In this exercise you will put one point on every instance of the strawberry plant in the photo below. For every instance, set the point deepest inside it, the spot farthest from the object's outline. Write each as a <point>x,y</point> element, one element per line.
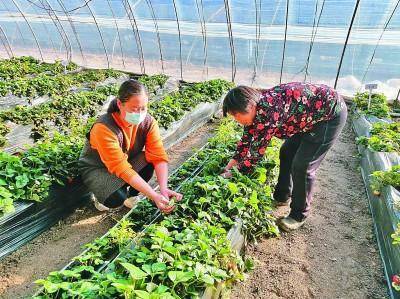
<point>167,263</point>
<point>391,177</point>
<point>4,130</point>
<point>379,106</point>
<point>153,83</point>
<point>188,249</point>
<point>44,84</point>
<point>385,137</point>
<point>19,182</point>
<point>173,106</point>
<point>19,67</point>
<point>396,241</point>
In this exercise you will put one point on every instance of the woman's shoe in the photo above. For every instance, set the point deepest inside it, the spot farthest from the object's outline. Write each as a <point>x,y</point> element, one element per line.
<point>289,224</point>
<point>99,206</point>
<point>131,202</point>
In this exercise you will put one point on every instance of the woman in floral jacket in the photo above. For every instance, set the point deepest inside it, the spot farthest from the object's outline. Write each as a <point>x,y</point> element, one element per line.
<point>309,117</point>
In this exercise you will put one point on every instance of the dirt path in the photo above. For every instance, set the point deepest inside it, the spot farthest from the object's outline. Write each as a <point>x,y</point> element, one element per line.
<point>54,249</point>
<point>335,254</point>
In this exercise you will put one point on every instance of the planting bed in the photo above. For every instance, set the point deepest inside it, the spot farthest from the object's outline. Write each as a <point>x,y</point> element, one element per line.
<point>60,125</point>
<point>378,138</point>
<point>182,269</point>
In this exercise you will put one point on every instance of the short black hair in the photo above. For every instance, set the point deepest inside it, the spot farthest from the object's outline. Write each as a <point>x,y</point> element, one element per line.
<point>238,99</point>
<point>127,89</point>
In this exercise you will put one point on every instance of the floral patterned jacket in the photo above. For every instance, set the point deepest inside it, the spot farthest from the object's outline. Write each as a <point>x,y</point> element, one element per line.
<point>283,111</point>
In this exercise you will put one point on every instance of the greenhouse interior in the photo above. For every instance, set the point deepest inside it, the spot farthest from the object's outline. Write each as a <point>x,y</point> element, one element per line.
<point>247,149</point>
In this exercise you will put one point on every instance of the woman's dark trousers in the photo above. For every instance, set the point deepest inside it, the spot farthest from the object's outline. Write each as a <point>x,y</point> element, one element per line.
<point>300,156</point>
<point>118,197</point>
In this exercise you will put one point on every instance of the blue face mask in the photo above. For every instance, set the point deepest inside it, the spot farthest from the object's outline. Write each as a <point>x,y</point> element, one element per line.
<point>135,118</point>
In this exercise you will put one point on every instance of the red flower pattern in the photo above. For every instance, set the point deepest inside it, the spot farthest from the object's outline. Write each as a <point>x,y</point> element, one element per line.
<point>284,111</point>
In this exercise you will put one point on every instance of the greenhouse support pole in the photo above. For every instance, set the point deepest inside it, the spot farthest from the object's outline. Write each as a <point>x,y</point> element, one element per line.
<point>179,36</point>
<point>118,33</point>
<point>379,40</point>
<point>136,34</point>
<point>100,34</point>
<point>30,28</point>
<point>60,29</point>
<point>347,40</point>
<point>203,33</point>
<point>6,43</point>
<point>71,23</point>
<point>154,17</point>
<point>231,43</point>
<point>284,42</point>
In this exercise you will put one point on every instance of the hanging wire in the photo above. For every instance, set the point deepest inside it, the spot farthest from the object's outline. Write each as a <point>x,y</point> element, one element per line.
<point>16,23</point>
<point>153,15</point>
<point>313,35</point>
<point>100,34</point>
<point>135,29</point>
<point>86,4</point>
<point>267,43</point>
<point>231,43</point>
<point>31,29</point>
<point>179,36</point>
<point>73,29</point>
<point>6,43</point>
<point>379,40</point>
<point>45,28</point>
<point>63,35</point>
<point>258,35</point>
<point>347,40</point>
<point>50,35</point>
<point>284,42</point>
<point>118,33</point>
<point>200,12</point>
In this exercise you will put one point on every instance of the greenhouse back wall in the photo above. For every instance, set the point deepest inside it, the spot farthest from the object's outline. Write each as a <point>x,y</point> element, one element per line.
<point>251,42</point>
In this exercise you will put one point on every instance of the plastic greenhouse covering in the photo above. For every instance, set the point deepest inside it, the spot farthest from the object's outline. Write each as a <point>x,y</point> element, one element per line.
<point>254,42</point>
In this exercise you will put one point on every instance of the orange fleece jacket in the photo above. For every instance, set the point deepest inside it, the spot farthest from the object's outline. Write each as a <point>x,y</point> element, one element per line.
<point>106,143</point>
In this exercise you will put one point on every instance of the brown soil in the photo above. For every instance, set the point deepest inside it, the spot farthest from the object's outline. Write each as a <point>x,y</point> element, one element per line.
<point>53,249</point>
<point>335,254</point>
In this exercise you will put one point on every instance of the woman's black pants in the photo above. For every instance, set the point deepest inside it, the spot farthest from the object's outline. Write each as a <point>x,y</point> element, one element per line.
<point>300,156</point>
<point>118,197</point>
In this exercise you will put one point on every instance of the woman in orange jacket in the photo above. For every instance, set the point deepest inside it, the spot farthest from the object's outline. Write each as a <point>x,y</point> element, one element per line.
<point>122,151</point>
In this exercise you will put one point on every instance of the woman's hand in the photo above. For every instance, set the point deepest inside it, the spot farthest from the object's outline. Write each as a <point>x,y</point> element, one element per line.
<point>227,170</point>
<point>231,163</point>
<point>226,174</point>
<point>168,193</point>
<point>163,203</point>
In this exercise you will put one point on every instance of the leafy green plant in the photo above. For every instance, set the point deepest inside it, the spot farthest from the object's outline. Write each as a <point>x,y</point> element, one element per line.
<point>395,106</point>
<point>19,67</point>
<point>379,106</point>
<point>391,177</point>
<point>385,137</point>
<point>44,84</point>
<point>189,248</point>
<point>153,83</point>
<point>4,130</point>
<point>173,106</point>
<point>396,241</point>
<point>19,182</point>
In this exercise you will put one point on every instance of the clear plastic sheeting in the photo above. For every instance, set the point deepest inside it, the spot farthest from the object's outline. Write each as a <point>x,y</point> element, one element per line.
<point>344,43</point>
<point>385,209</point>
<point>30,219</point>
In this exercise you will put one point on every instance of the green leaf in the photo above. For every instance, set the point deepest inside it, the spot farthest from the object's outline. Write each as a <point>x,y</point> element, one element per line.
<point>233,188</point>
<point>180,276</point>
<point>158,267</point>
<point>134,272</point>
